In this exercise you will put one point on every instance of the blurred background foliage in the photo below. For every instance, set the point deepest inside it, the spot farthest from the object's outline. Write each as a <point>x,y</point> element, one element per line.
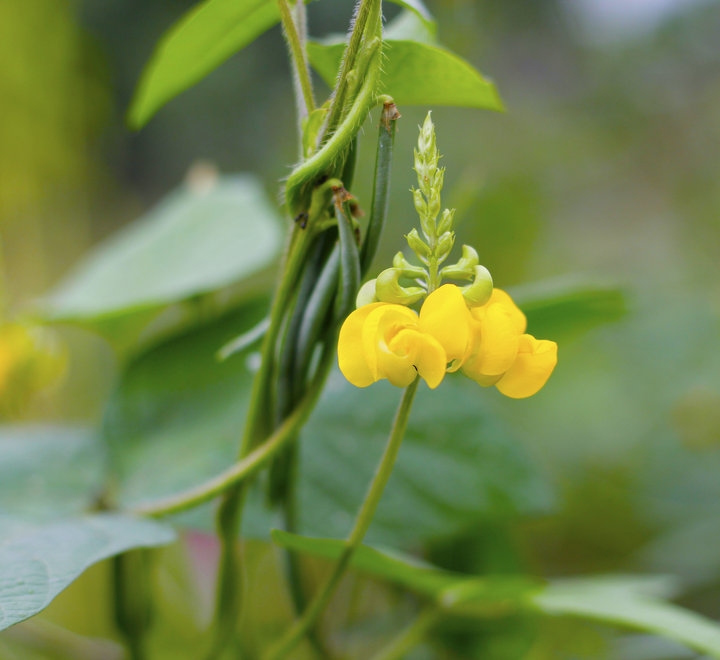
<point>603,169</point>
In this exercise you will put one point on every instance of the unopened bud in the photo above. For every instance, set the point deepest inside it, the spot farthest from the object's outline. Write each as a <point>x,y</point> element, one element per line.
<point>418,246</point>
<point>388,289</point>
<point>445,244</point>
<point>366,295</point>
<point>479,292</point>
<point>408,269</point>
<point>446,221</point>
<point>464,269</point>
<point>420,204</point>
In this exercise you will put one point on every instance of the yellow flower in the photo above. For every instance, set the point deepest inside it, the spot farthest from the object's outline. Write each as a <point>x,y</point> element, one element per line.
<point>384,340</point>
<point>489,344</point>
<point>501,354</point>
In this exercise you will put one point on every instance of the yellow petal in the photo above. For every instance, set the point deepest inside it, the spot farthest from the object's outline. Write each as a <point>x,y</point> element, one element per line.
<point>424,353</point>
<point>445,316</point>
<point>495,344</point>
<point>383,322</point>
<point>500,297</point>
<point>351,356</point>
<point>535,362</point>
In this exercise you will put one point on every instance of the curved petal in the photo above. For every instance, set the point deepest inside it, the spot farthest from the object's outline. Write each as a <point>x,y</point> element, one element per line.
<point>535,362</point>
<point>446,317</point>
<point>351,356</point>
<point>424,353</point>
<point>382,323</point>
<point>502,298</point>
<point>496,343</point>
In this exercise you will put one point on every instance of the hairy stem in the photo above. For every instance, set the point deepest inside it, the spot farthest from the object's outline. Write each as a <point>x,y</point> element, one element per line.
<point>305,100</point>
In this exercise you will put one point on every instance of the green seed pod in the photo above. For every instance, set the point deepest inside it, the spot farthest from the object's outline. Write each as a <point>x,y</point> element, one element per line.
<point>388,289</point>
<point>479,292</point>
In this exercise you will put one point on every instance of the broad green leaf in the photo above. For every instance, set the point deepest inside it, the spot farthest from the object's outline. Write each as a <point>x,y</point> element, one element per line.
<point>198,43</point>
<point>46,471</point>
<point>38,561</point>
<point>571,304</point>
<point>417,74</point>
<point>620,603</point>
<point>177,415</point>
<point>406,26</point>
<point>419,9</point>
<point>198,240</point>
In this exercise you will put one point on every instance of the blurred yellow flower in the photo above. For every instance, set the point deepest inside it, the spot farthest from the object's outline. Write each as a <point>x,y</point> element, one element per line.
<point>386,340</point>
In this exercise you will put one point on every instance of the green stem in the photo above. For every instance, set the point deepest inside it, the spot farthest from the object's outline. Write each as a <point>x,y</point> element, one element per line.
<point>257,426</point>
<point>362,522</point>
<point>305,100</point>
<point>410,637</point>
<point>366,8</point>
<point>321,160</point>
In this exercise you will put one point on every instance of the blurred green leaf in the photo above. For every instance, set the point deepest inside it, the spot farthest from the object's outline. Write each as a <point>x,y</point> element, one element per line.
<point>419,9</point>
<point>198,240</point>
<point>38,561</point>
<point>620,602</point>
<point>48,471</point>
<point>177,414</point>
<point>556,307</point>
<point>417,74</point>
<point>198,43</point>
<point>631,601</point>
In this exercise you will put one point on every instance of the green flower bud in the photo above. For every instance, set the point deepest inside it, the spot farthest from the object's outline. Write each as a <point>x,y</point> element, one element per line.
<point>418,246</point>
<point>420,203</point>
<point>366,294</point>
<point>446,221</point>
<point>445,244</point>
<point>408,269</point>
<point>464,269</point>
<point>388,289</point>
<point>479,292</point>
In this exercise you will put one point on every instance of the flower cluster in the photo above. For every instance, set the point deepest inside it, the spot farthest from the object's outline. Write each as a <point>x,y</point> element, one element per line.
<point>487,343</point>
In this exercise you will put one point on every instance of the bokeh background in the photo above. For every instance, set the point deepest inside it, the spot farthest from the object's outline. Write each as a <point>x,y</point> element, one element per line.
<point>604,168</point>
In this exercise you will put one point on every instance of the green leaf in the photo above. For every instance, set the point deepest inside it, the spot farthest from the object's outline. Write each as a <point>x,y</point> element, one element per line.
<point>417,74</point>
<point>198,240</point>
<point>198,43</point>
<point>38,562</point>
<point>571,304</point>
<point>620,602</point>
<point>419,9</point>
<point>48,471</point>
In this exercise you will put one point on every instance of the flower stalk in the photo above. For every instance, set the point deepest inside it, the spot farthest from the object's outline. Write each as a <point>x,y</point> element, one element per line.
<point>362,522</point>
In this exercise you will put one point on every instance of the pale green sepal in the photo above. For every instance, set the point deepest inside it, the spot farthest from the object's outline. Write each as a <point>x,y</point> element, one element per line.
<point>479,292</point>
<point>418,246</point>
<point>399,261</point>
